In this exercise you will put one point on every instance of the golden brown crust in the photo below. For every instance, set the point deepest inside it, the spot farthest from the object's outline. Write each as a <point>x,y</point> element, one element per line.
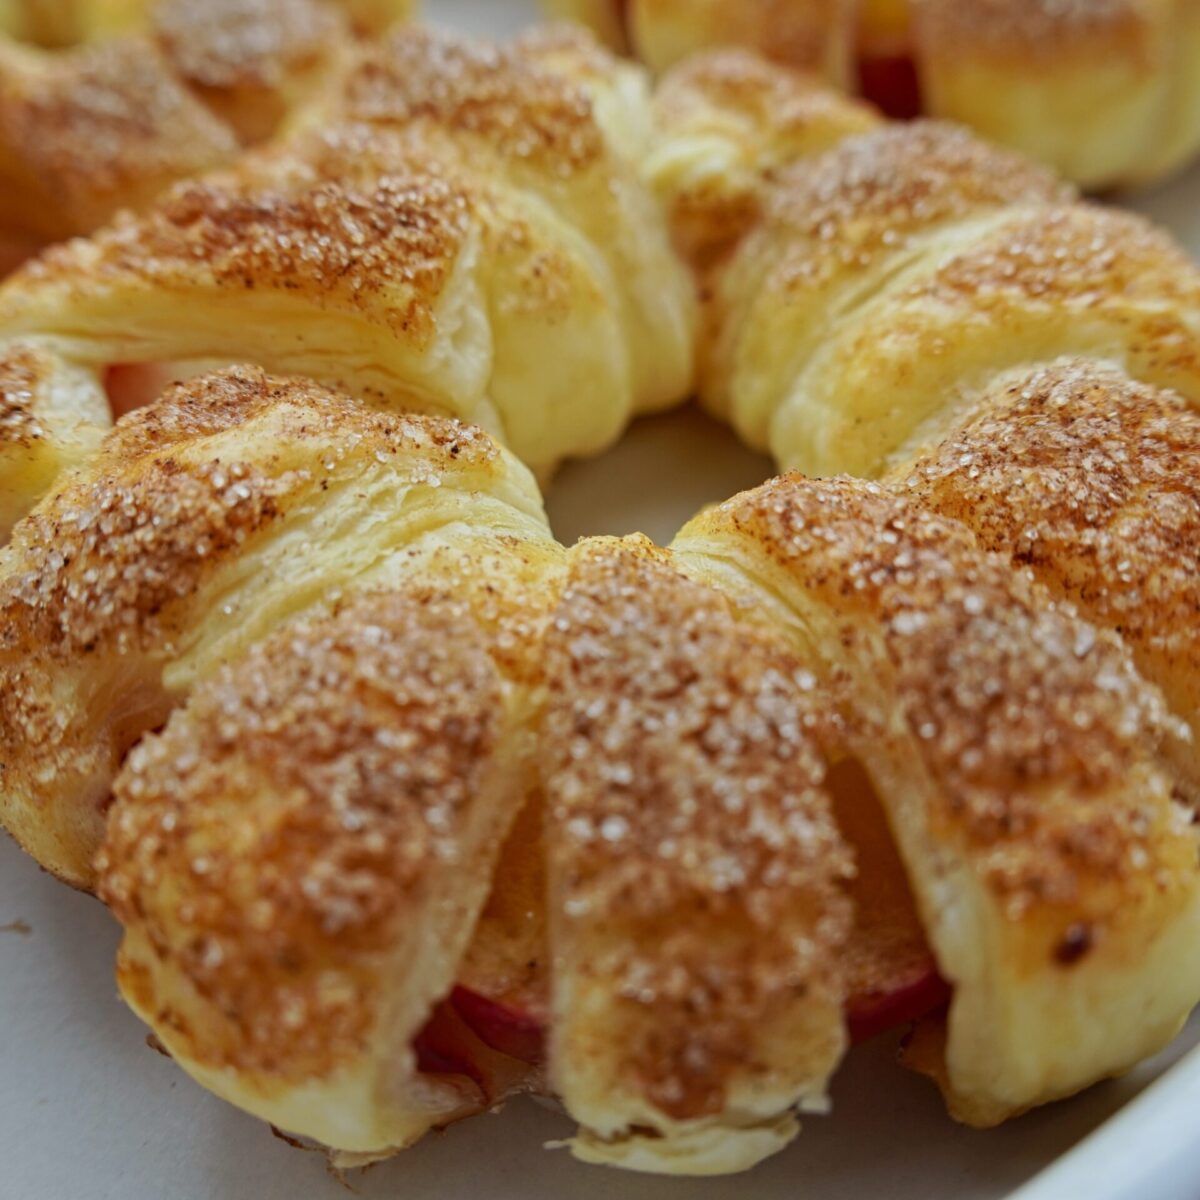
<point>111,555</point>
<point>1014,749</point>
<point>109,126</point>
<point>839,236</point>
<point>1004,692</point>
<point>140,562</point>
<point>1088,478</point>
<point>1039,283</point>
<point>254,62</point>
<point>271,840</point>
<point>873,194</point>
<point>784,103</point>
<point>497,93</point>
<point>340,245</point>
<point>547,134</point>
<point>727,121</point>
<point>1041,29</point>
<point>694,863</point>
<point>1080,255</point>
<point>681,773</point>
<point>110,563</point>
<point>222,400</point>
<point>244,43</point>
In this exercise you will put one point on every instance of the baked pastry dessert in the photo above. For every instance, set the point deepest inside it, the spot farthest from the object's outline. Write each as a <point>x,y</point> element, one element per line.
<point>414,244</point>
<point>357,706</point>
<point>404,807</point>
<point>878,295</point>
<point>1104,91</point>
<point>1120,79</point>
<point>143,498</point>
<point>103,105</point>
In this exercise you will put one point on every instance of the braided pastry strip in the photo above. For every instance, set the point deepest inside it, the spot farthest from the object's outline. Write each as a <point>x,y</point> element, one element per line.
<point>452,213</point>
<point>148,92</point>
<point>373,655</point>
<point>882,297</point>
<point>1107,92</point>
<point>109,580</point>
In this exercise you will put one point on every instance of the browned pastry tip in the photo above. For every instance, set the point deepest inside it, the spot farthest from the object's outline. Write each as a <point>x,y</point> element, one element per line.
<point>695,870</point>
<point>136,566</point>
<point>318,823</point>
<point>1015,749</point>
<point>1087,477</point>
<point>149,94</point>
<point>252,61</point>
<point>501,95</point>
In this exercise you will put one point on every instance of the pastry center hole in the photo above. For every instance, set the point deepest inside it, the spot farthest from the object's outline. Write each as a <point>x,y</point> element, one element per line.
<point>663,471</point>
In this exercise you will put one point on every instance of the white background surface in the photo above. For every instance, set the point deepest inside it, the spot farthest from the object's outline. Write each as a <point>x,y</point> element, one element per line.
<point>88,1112</point>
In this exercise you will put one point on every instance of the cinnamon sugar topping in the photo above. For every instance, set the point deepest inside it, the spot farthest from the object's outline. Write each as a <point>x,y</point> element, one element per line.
<point>1029,718</point>
<point>293,810</point>
<point>244,43</point>
<point>686,810</point>
<point>21,369</point>
<point>1089,478</point>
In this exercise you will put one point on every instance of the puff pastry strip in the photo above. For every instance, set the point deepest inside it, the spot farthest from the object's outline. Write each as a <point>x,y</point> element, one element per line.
<point>105,104</point>
<point>910,279</point>
<point>418,246</point>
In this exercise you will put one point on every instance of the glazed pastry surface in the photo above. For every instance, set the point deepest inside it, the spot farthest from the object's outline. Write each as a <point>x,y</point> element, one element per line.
<point>404,807</point>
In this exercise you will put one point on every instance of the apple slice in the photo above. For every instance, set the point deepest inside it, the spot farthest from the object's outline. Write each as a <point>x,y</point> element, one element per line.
<point>443,1049</point>
<point>503,990</point>
<point>891,974</point>
<point>509,1030</point>
<point>887,73</point>
<point>890,82</point>
<point>133,385</point>
<point>449,1046</point>
<point>492,1028</point>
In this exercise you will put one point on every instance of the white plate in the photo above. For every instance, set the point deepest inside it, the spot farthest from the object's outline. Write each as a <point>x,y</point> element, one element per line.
<point>88,1112</point>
